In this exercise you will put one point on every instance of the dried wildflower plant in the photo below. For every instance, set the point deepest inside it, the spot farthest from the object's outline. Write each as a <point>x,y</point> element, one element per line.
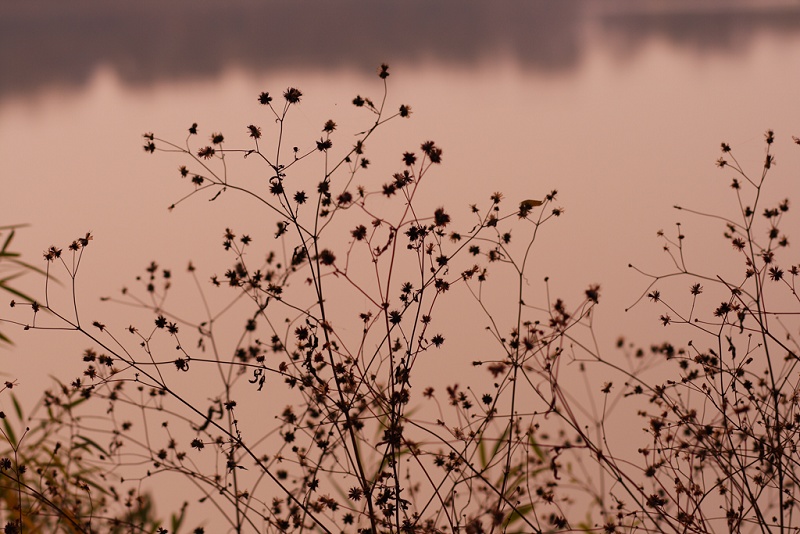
<point>304,401</point>
<point>307,418</point>
<point>723,423</point>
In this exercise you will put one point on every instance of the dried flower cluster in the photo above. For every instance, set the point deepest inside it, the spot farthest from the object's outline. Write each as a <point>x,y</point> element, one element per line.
<point>317,411</point>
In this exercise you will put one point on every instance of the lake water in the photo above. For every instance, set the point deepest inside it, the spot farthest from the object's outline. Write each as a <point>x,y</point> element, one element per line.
<point>621,106</point>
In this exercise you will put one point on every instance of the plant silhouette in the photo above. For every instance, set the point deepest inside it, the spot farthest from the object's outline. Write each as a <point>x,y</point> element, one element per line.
<point>294,393</point>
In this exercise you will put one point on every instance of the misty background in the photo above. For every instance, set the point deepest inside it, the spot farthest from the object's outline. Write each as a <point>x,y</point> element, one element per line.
<point>46,43</point>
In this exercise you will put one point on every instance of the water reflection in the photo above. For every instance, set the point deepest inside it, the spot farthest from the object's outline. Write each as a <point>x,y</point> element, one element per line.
<point>700,31</point>
<point>52,43</point>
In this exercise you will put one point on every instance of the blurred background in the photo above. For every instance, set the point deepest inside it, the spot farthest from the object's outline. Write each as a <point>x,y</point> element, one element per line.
<point>619,105</point>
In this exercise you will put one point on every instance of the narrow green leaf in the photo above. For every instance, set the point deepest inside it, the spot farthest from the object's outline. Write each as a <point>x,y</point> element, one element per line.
<point>501,441</point>
<point>482,452</point>
<point>7,242</point>
<point>512,486</point>
<point>76,402</point>
<point>177,520</point>
<point>88,442</point>
<point>20,294</point>
<point>99,487</point>
<point>28,266</point>
<point>17,407</point>
<point>10,277</point>
<point>516,515</point>
<point>12,438</point>
<point>535,446</point>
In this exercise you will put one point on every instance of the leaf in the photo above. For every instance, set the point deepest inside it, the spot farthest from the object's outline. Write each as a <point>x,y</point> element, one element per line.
<point>10,277</point>
<point>177,520</point>
<point>87,442</point>
<point>30,267</point>
<point>15,292</point>
<point>7,242</point>
<point>17,407</point>
<point>10,436</point>
<point>514,479</point>
<point>99,487</point>
<point>12,226</point>
<point>517,514</point>
<point>74,403</point>
<point>501,441</point>
<point>535,446</point>
<point>482,452</point>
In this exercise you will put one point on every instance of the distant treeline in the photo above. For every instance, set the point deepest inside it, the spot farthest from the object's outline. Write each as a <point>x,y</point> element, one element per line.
<point>47,43</point>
